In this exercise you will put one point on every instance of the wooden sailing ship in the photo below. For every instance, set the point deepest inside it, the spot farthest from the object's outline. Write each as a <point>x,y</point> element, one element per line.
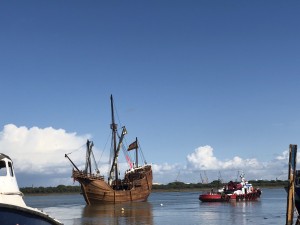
<point>136,184</point>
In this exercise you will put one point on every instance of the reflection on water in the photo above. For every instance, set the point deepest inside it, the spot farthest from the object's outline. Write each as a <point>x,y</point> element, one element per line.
<point>163,208</point>
<point>244,212</point>
<point>128,213</point>
<point>232,212</point>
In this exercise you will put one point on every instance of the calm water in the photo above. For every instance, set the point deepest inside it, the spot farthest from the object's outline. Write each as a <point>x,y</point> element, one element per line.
<point>165,208</point>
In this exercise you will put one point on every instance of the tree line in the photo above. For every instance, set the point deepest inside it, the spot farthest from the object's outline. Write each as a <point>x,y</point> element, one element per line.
<point>217,184</point>
<point>177,185</point>
<point>57,189</point>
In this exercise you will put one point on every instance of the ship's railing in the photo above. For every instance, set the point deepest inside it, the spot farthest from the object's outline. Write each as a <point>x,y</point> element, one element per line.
<point>81,174</point>
<point>139,169</point>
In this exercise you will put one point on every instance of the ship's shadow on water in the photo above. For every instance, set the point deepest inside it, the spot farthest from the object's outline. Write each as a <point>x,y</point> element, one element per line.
<point>126,213</point>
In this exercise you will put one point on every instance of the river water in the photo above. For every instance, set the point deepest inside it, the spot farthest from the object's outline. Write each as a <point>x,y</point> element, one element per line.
<point>174,208</point>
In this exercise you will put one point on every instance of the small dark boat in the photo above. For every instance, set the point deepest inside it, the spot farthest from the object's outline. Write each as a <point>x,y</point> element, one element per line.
<point>13,209</point>
<point>233,191</point>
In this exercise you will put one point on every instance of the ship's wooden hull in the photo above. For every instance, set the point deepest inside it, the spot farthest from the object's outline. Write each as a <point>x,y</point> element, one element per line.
<point>97,191</point>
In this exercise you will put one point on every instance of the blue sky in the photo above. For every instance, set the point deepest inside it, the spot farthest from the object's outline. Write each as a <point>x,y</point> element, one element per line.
<point>195,81</point>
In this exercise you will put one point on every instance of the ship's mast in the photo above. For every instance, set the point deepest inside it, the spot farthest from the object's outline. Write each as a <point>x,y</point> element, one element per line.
<point>88,165</point>
<point>113,127</point>
<point>136,153</point>
<point>116,148</point>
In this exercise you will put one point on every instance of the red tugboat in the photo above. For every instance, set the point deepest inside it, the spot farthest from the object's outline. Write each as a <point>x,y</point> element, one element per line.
<point>233,191</point>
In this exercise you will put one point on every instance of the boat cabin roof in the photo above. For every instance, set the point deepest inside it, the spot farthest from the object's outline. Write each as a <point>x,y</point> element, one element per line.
<point>2,156</point>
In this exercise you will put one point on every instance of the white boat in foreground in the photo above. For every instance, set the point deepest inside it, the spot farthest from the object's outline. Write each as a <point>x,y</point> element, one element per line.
<point>13,209</point>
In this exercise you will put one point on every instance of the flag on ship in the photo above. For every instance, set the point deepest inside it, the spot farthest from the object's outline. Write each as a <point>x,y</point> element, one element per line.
<point>133,145</point>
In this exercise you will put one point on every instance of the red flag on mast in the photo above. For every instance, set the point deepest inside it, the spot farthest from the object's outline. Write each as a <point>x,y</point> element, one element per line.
<point>133,145</point>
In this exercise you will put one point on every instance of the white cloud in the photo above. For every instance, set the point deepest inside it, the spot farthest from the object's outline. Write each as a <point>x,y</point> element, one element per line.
<point>203,159</point>
<point>39,150</point>
<point>163,168</point>
<point>283,156</point>
<point>165,172</point>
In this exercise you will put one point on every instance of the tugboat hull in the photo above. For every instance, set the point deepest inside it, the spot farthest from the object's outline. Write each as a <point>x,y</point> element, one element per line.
<point>214,198</point>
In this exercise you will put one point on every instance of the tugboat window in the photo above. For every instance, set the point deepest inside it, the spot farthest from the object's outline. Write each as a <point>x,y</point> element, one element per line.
<point>3,171</point>
<point>11,172</point>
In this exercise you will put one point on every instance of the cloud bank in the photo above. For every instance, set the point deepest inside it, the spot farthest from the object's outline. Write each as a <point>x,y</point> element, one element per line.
<point>39,151</point>
<point>38,156</point>
<point>203,159</point>
<point>202,163</point>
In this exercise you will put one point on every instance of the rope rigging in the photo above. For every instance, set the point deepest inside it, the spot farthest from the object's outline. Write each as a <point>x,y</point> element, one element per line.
<point>104,148</point>
<point>76,149</point>
<point>143,157</point>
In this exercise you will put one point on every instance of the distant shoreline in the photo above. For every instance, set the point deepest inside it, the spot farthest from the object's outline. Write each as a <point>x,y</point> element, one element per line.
<point>200,190</point>
<point>171,187</point>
